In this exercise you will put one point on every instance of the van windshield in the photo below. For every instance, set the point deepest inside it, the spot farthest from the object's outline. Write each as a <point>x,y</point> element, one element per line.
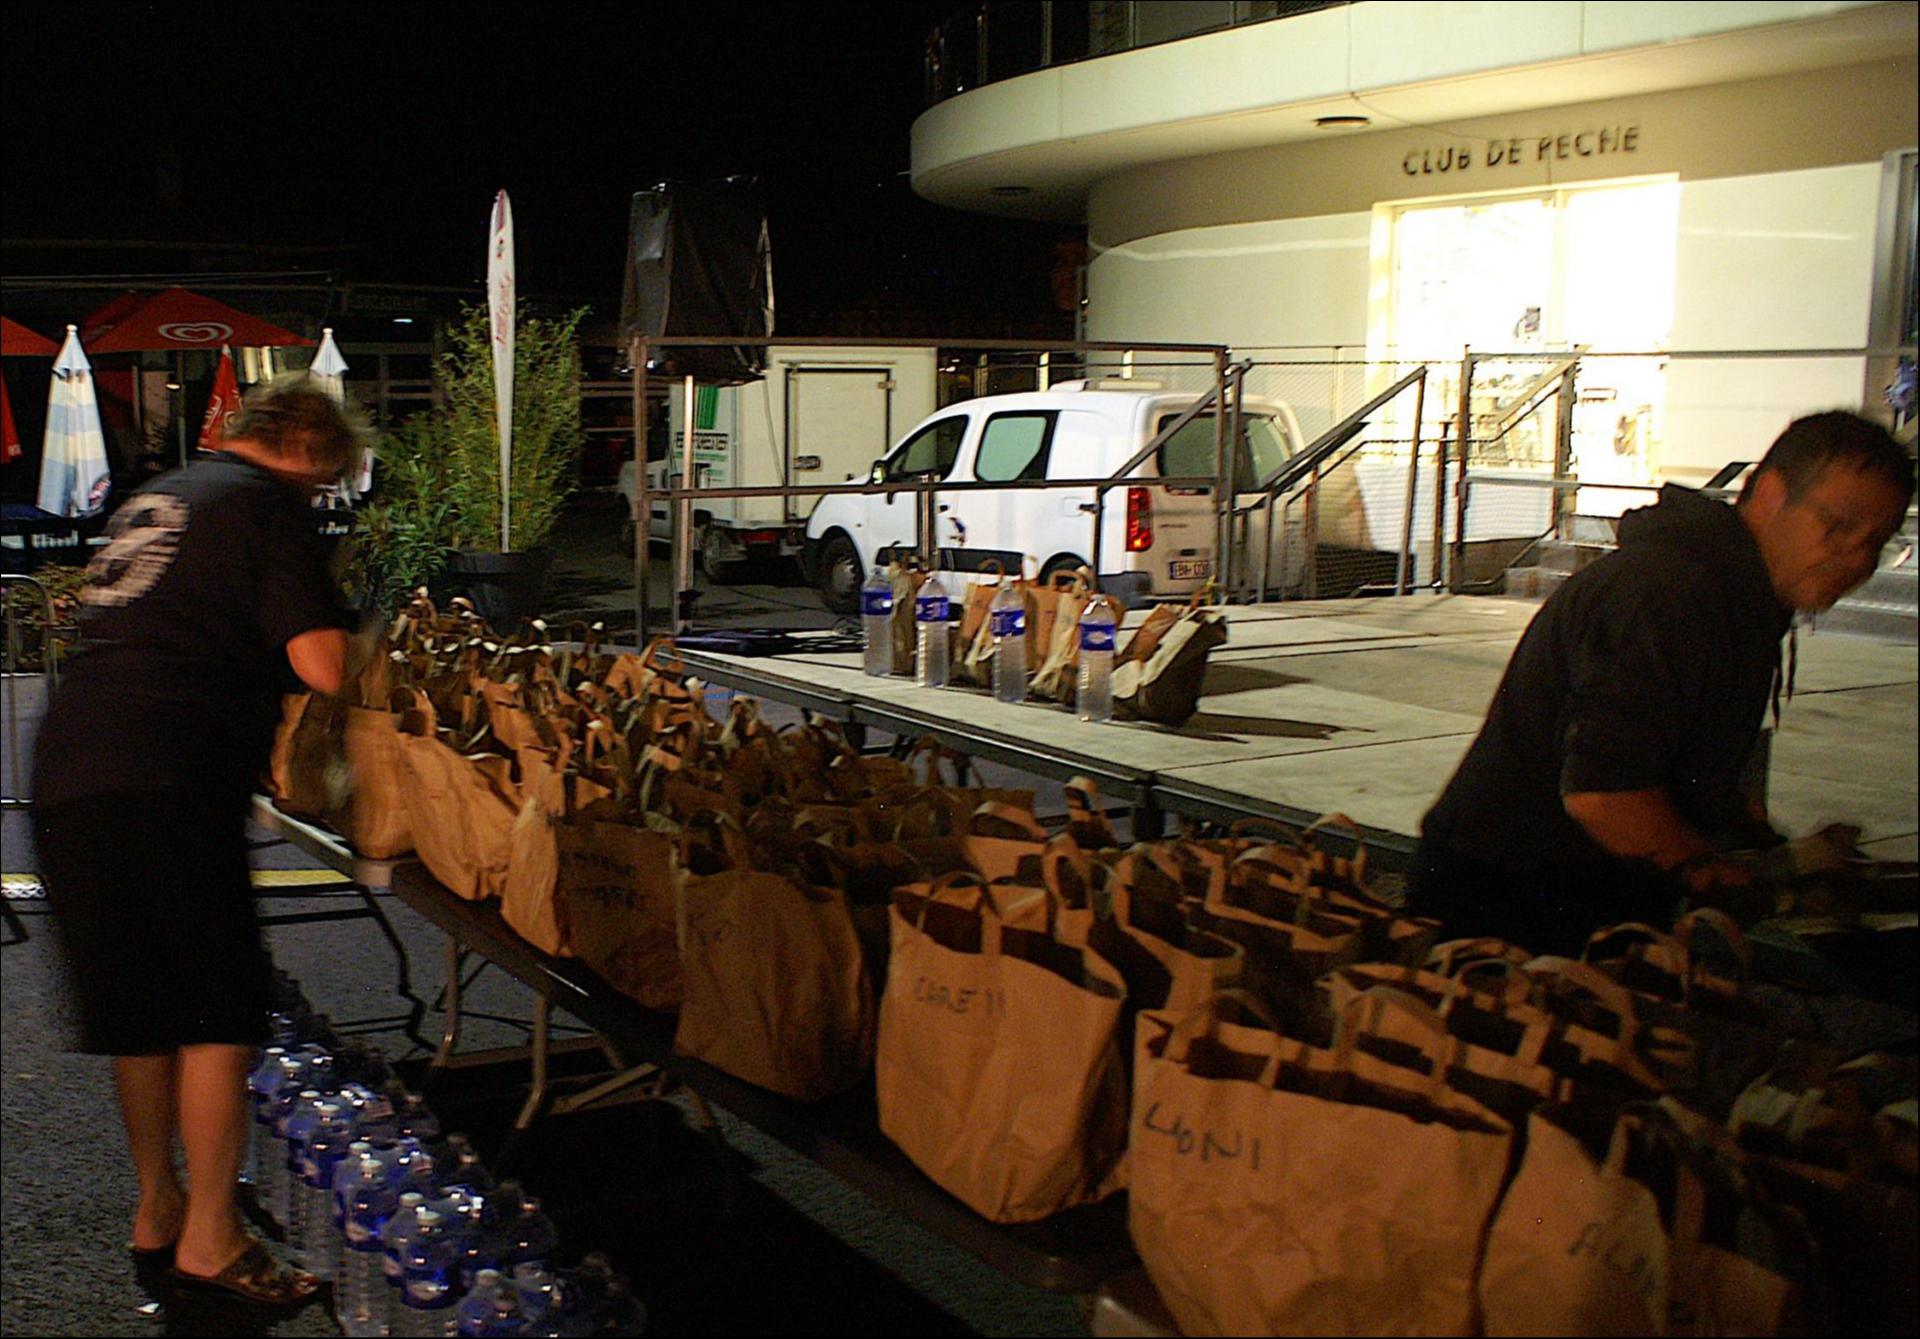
<point>1262,449</point>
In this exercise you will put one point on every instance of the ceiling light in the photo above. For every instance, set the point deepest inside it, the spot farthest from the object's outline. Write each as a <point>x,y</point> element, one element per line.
<point>1341,122</point>
<point>403,320</point>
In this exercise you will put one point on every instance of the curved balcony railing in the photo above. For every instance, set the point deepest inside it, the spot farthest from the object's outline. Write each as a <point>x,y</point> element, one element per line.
<point>994,41</point>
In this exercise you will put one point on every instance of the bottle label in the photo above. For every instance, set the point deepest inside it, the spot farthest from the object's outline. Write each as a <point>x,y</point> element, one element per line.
<point>876,603</point>
<point>930,608</point>
<point>1009,622</point>
<point>1096,636</point>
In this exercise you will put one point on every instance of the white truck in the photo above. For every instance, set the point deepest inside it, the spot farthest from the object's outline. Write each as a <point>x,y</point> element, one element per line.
<point>820,415</point>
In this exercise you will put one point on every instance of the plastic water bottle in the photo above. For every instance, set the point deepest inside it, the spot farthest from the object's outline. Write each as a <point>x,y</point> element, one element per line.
<point>262,1083</point>
<point>269,1149</point>
<point>534,1283</point>
<point>1008,618</point>
<point>1094,697</point>
<point>493,1308</point>
<point>876,621</point>
<point>534,1236</point>
<point>395,1240</point>
<point>360,1290</point>
<point>579,1297</point>
<point>492,1247</point>
<point>299,1139</point>
<point>325,1147</point>
<point>930,610</point>
<point>429,1280</point>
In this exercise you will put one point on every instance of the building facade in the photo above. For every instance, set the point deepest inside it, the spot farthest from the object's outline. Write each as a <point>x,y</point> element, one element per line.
<point>1715,200</point>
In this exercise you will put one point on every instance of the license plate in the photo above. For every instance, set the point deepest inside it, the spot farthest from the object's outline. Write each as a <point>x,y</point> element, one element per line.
<point>1190,569</point>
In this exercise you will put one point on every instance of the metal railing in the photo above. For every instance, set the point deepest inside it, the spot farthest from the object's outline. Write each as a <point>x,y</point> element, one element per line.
<point>11,673</point>
<point>683,498</point>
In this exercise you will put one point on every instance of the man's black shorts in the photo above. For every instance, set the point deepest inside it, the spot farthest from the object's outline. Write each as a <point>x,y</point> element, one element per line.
<point>153,906</point>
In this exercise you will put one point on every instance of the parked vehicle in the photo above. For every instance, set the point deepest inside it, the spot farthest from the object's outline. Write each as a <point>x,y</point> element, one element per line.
<point>1157,541</point>
<point>819,416</point>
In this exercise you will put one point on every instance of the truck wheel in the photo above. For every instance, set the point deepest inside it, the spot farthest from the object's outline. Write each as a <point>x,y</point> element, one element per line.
<point>1065,562</point>
<point>841,575</point>
<point>720,571</point>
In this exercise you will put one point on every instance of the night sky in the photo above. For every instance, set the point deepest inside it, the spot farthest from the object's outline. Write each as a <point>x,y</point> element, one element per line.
<point>389,127</point>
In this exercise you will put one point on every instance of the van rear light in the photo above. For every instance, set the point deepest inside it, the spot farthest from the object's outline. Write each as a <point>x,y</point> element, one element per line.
<point>1139,520</point>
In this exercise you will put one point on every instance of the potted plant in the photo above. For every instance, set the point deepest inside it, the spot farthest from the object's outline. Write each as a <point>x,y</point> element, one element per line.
<point>435,519</point>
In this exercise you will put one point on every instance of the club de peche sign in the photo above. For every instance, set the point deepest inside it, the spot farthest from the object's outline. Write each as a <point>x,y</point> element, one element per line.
<point>1567,146</point>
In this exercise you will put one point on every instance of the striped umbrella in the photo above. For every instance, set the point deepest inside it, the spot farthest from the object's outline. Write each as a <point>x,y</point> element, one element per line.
<point>73,461</point>
<point>328,370</point>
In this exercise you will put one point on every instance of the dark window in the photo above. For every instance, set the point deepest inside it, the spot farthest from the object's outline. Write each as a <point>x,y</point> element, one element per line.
<point>929,453</point>
<point>1014,447</point>
<point>1262,449</point>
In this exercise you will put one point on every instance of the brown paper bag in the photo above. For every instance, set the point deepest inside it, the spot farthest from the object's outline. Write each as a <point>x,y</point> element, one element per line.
<point>460,808</point>
<point>615,885</point>
<point>1577,1246</point>
<point>907,577</point>
<point>1055,675</point>
<point>374,818</point>
<point>1165,685</point>
<point>528,903</point>
<point>775,991</point>
<point>998,1070</point>
<point>1282,1188</point>
<point>304,745</point>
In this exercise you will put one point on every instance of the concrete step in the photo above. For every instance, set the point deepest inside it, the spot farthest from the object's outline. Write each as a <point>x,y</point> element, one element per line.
<point>1562,555</point>
<point>1533,583</point>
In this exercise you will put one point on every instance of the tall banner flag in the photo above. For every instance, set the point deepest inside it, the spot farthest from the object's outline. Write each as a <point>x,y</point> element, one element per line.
<point>500,314</point>
<point>221,404</point>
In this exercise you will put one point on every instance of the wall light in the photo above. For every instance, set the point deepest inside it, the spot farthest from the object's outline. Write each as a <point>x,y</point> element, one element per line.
<point>1341,122</point>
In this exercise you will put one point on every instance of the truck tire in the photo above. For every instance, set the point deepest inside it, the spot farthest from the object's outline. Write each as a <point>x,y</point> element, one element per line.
<point>721,572</point>
<point>840,575</point>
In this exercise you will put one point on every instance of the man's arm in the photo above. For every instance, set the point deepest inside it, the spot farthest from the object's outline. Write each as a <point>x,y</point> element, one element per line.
<point>319,657</point>
<point>1645,825</point>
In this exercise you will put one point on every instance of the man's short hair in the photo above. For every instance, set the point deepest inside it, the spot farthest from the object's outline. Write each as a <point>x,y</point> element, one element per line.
<point>292,417</point>
<point>1812,443</point>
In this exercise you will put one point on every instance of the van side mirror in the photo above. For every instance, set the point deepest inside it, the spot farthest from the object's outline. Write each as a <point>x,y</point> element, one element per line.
<point>878,474</point>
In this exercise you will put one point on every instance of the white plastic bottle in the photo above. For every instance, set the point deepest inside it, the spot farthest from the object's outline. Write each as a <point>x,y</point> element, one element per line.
<point>1008,618</point>
<point>930,608</point>
<point>1094,697</point>
<point>876,621</point>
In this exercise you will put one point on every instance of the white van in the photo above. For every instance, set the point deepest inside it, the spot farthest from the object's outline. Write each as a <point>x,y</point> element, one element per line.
<point>817,416</point>
<point>1156,541</point>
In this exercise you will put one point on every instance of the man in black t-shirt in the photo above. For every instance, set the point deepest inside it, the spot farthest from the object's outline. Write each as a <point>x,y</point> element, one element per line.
<point>210,600</point>
<point>1611,772</point>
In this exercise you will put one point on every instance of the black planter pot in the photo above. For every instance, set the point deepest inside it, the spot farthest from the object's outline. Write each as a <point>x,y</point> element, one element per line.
<point>506,588</point>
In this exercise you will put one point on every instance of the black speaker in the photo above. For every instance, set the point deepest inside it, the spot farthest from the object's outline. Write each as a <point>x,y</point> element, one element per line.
<point>698,263</point>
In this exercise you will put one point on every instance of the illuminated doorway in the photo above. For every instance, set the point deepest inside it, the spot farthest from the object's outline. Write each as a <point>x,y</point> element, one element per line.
<point>1536,274</point>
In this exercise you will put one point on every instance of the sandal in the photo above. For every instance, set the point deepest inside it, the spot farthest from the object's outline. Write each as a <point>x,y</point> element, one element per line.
<point>151,1267</point>
<point>254,1276</point>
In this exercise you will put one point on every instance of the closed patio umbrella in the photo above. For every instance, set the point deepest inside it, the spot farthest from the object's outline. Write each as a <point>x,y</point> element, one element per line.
<point>329,369</point>
<point>73,462</point>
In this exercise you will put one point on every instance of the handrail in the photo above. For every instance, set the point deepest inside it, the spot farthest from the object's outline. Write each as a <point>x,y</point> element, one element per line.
<point>1531,394</point>
<point>1290,471</point>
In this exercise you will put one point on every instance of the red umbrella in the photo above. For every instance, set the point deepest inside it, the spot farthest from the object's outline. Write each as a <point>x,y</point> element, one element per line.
<point>176,319</point>
<point>16,341</point>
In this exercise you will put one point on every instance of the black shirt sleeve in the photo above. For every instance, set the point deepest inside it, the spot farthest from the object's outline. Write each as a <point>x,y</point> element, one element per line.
<point>295,590</point>
<point>1635,676</point>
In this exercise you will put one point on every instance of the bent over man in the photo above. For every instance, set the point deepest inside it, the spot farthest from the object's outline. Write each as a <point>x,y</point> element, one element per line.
<point>1614,761</point>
